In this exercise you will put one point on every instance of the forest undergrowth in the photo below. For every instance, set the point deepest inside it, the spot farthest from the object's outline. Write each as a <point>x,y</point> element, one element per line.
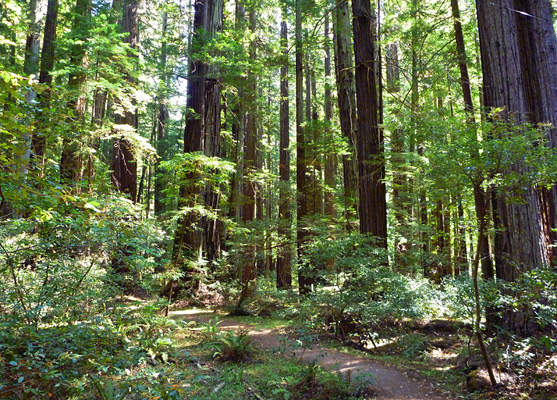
<point>82,318</point>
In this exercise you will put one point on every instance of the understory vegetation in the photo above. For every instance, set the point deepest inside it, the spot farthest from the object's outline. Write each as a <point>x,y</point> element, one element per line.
<point>75,326</point>
<point>197,194</point>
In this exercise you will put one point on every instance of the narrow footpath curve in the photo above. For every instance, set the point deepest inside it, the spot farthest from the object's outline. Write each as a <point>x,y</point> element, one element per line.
<point>390,383</point>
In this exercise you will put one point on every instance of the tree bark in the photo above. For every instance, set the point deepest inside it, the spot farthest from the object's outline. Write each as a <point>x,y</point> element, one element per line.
<point>284,260</point>
<point>330,156</point>
<point>301,161</point>
<point>538,49</point>
<point>369,147</point>
<point>346,96</point>
<point>519,241</point>
<point>161,119</point>
<point>201,133</point>
<point>249,207</point>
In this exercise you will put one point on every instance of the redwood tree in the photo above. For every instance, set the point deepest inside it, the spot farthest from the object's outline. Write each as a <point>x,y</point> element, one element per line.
<point>202,131</point>
<point>519,239</point>
<point>284,276</point>
<point>369,146</point>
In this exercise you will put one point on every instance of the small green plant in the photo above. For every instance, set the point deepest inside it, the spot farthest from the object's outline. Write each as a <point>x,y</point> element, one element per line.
<point>212,329</point>
<point>232,346</point>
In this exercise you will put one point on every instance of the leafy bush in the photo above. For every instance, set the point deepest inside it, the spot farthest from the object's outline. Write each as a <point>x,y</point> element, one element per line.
<point>65,359</point>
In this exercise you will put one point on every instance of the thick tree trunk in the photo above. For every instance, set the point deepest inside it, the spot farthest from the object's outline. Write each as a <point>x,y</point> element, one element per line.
<point>519,243</point>
<point>371,166</point>
<point>201,135</point>
<point>284,260</point>
<point>346,96</point>
<point>538,49</point>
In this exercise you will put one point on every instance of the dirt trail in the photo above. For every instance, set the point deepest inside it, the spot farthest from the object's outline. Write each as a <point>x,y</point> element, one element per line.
<point>390,383</point>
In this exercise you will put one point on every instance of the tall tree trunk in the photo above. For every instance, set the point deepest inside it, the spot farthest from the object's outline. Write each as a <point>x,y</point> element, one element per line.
<point>346,96</point>
<point>519,243</point>
<point>124,165</point>
<point>284,260</point>
<point>161,119</point>
<point>479,192</point>
<point>330,155</point>
<point>398,162</point>
<point>301,160</point>
<point>249,207</point>
<point>538,49</point>
<point>201,133</point>
<point>371,166</point>
<point>31,67</point>
<point>45,77</point>
<point>317,156</point>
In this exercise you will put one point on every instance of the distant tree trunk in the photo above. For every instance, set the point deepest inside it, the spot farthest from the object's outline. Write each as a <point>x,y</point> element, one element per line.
<point>32,43</point>
<point>461,254</point>
<point>317,156</point>
<point>398,160</point>
<point>124,165</point>
<point>71,161</point>
<point>31,67</point>
<point>259,187</point>
<point>284,260</point>
<point>301,160</point>
<point>519,242</point>
<point>45,77</point>
<point>161,120</point>
<point>346,104</point>
<point>371,166</point>
<point>249,207</point>
<point>308,135</point>
<point>479,192</point>
<point>330,155</point>
<point>270,198</point>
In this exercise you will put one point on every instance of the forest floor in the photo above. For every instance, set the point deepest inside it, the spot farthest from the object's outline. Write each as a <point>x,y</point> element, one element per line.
<point>389,382</point>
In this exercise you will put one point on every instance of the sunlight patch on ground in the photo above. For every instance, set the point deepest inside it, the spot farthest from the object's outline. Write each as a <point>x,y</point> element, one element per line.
<point>444,359</point>
<point>192,311</point>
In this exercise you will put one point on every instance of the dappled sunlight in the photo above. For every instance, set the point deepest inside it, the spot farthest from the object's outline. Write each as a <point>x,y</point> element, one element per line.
<point>189,312</point>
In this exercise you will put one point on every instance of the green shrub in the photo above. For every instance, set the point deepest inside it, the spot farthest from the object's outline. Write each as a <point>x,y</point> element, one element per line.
<point>232,346</point>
